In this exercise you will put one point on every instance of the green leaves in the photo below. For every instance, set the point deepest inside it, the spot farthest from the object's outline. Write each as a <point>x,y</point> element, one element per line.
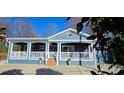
<point>92,37</point>
<point>85,19</point>
<point>104,40</point>
<point>102,26</point>
<point>79,27</point>
<point>3,48</point>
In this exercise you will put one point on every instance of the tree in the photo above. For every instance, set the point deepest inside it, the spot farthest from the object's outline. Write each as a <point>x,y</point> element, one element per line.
<point>50,30</point>
<point>109,32</point>
<point>6,23</point>
<point>73,22</point>
<point>3,47</point>
<point>22,26</point>
<point>18,27</point>
<point>3,34</point>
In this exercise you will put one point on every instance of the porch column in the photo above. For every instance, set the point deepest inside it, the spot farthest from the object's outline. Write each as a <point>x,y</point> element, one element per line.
<point>47,51</point>
<point>29,50</point>
<point>58,52</point>
<point>11,49</point>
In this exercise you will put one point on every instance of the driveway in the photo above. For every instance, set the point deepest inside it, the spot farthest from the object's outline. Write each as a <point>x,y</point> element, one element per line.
<point>36,69</point>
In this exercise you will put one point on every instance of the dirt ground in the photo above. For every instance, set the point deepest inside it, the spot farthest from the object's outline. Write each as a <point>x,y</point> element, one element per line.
<point>3,56</point>
<point>32,69</point>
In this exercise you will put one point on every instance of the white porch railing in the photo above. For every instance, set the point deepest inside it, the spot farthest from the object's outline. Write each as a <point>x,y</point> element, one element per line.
<point>36,55</point>
<point>77,55</point>
<point>52,54</point>
<point>63,55</point>
<point>19,55</point>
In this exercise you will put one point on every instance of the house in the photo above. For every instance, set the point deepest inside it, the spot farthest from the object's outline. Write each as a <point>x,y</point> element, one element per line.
<point>64,48</point>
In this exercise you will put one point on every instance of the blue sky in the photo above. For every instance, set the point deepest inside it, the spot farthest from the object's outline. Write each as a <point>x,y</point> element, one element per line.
<point>43,25</point>
<point>47,26</point>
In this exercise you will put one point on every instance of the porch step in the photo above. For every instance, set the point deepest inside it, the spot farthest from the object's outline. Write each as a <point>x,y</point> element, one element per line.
<point>51,62</point>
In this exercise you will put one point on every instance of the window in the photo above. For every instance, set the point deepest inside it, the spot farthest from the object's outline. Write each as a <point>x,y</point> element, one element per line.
<point>38,47</point>
<point>70,35</point>
<point>53,47</point>
<point>68,48</point>
<point>20,46</point>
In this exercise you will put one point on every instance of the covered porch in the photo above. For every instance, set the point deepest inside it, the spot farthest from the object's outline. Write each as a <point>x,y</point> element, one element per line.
<point>76,51</point>
<point>73,51</point>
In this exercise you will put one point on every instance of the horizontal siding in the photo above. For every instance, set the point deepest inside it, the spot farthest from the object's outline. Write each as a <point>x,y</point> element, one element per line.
<point>25,62</point>
<point>85,63</point>
<point>64,36</point>
<point>43,62</point>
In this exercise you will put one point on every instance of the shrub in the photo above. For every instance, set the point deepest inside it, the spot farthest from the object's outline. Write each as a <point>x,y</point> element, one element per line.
<point>3,48</point>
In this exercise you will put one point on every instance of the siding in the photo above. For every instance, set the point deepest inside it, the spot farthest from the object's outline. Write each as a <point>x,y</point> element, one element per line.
<point>64,36</point>
<point>84,63</point>
<point>25,62</point>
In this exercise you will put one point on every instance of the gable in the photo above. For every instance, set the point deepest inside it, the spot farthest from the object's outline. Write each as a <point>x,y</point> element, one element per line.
<point>69,34</point>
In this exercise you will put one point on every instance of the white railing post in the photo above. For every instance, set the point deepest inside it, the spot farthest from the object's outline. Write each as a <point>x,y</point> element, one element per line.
<point>92,51</point>
<point>35,55</point>
<point>89,50</point>
<point>75,55</point>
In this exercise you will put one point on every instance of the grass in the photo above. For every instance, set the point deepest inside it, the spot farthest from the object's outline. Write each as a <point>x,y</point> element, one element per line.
<point>3,48</point>
<point>3,52</point>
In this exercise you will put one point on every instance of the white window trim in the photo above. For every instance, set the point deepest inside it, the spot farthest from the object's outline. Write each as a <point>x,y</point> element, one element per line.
<point>70,36</point>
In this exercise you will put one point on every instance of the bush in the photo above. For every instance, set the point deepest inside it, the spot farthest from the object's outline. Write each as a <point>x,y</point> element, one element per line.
<point>3,48</point>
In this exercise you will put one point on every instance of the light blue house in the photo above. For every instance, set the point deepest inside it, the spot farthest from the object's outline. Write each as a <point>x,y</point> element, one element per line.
<point>64,48</point>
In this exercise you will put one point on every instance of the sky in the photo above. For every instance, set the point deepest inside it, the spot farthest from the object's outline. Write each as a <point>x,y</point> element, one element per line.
<point>47,26</point>
<point>44,25</point>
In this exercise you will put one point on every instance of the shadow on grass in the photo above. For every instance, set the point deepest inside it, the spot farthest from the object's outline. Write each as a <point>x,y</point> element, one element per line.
<point>47,71</point>
<point>12,72</point>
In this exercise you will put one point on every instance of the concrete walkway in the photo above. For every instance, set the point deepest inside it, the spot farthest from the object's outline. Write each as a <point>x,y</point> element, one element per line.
<point>32,69</point>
